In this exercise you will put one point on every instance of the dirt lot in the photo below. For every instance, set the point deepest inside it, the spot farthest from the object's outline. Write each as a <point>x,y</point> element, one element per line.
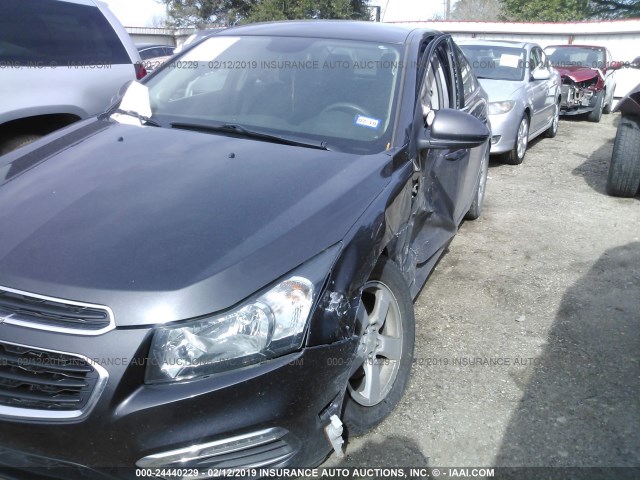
<point>547,286</point>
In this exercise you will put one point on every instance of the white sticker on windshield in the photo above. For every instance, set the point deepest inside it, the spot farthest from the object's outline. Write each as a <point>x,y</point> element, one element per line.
<point>209,50</point>
<point>367,121</point>
<point>510,61</point>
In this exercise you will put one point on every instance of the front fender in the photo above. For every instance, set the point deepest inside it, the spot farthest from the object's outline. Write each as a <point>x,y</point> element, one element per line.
<point>384,225</point>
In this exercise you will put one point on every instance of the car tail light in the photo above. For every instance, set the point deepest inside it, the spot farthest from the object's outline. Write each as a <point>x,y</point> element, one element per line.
<point>140,71</point>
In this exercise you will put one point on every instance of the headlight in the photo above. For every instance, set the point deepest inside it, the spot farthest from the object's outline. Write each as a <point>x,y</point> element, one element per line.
<point>496,108</point>
<point>269,325</point>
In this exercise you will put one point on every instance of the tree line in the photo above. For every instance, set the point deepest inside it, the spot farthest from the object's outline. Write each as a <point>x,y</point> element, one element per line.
<point>203,13</point>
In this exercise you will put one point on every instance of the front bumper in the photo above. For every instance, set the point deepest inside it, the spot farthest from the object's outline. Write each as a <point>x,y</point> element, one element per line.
<point>504,129</point>
<point>576,101</point>
<point>132,421</point>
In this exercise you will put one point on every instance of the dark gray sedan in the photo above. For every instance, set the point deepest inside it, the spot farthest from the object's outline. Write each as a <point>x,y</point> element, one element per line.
<point>524,93</point>
<point>220,270</point>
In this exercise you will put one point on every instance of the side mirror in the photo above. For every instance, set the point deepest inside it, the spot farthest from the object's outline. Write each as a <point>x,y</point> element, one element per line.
<point>615,65</point>
<point>121,92</point>
<point>453,129</point>
<point>540,74</point>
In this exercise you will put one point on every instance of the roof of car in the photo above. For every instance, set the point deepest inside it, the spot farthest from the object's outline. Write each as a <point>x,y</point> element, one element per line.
<point>342,29</point>
<point>502,43</point>
<point>599,47</point>
<point>140,46</point>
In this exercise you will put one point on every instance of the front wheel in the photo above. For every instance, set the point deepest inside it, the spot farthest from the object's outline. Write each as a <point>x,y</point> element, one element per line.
<point>596,114</point>
<point>386,325</point>
<point>552,131</point>
<point>516,155</point>
<point>476,207</point>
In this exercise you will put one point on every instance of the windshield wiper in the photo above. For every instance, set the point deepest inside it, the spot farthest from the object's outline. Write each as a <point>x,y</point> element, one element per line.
<point>234,128</point>
<point>142,118</point>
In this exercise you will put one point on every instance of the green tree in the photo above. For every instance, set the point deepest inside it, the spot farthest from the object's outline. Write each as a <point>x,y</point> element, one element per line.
<point>614,9</point>
<point>478,10</point>
<point>266,10</point>
<point>546,10</point>
<point>203,13</point>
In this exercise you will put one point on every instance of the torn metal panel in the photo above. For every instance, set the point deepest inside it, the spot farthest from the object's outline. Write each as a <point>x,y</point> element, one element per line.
<point>581,87</point>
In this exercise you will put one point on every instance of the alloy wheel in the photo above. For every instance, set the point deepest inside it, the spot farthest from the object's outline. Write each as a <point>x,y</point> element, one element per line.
<point>523,136</point>
<point>556,119</point>
<point>381,345</point>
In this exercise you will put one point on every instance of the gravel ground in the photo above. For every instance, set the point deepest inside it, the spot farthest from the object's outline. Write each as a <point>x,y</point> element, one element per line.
<point>546,285</point>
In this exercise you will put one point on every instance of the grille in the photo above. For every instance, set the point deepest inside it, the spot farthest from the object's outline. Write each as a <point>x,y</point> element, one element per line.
<point>24,308</point>
<point>37,379</point>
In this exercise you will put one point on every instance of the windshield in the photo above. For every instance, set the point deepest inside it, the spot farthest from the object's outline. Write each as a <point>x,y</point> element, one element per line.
<point>338,92</point>
<point>591,57</point>
<point>496,62</point>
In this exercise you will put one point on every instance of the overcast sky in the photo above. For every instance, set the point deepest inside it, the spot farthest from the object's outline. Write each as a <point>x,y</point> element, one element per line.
<point>140,13</point>
<point>135,13</point>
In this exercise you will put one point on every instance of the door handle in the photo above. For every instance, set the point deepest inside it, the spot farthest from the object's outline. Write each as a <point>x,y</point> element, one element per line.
<point>456,155</point>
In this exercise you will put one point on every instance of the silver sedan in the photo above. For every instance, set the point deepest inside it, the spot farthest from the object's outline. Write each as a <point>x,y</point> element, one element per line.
<point>524,93</point>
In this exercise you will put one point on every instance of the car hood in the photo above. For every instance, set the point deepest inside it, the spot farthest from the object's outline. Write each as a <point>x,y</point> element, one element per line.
<point>578,74</point>
<point>135,218</point>
<point>499,90</point>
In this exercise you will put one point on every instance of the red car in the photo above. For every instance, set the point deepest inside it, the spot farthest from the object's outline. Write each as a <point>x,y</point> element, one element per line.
<point>588,82</point>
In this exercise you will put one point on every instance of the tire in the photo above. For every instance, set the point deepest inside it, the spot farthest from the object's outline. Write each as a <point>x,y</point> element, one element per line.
<point>624,170</point>
<point>516,155</point>
<point>18,141</point>
<point>365,406</point>
<point>476,207</point>
<point>596,114</point>
<point>552,131</point>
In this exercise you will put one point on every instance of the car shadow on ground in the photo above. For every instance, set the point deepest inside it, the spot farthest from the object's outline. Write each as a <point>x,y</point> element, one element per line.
<point>581,404</point>
<point>390,452</point>
<point>495,160</point>
<point>595,168</point>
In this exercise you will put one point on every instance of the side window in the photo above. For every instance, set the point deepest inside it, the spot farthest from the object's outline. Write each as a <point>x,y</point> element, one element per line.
<point>469,84</point>
<point>544,60</point>
<point>438,87</point>
<point>149,53</point>
<point>534,59</point>
<point>57,33</point>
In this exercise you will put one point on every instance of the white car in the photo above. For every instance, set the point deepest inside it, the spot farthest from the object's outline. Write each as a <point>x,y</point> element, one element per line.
<point>60,61</point>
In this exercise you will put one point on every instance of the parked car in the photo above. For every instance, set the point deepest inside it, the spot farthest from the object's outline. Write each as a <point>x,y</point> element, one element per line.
<point>154,55</point>
<point>588,80</point>
<point>220,279</point>
<point>148,51</point>
<point>524,93</point>
<point>624,170</point>
<point>196,37</point>
<point>61,61</point>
